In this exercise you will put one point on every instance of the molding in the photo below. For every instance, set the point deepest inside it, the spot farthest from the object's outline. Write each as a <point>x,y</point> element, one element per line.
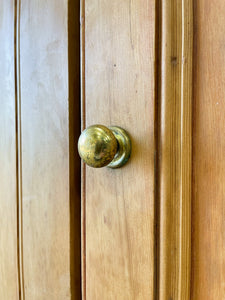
<point>175,149</point>
<point>18,129</point>
<point>83,169</point>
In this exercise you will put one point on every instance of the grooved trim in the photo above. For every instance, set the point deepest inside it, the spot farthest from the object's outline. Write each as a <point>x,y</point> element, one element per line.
<point>17,4</point>
<point>175,149</point>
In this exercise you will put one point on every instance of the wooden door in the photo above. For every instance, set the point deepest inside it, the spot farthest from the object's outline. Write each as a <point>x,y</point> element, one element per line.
<point>153,229</point>
<point>145,64</point>
<point>137,73</point>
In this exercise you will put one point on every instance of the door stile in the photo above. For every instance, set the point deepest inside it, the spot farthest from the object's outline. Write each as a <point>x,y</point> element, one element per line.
<point>118,88</point>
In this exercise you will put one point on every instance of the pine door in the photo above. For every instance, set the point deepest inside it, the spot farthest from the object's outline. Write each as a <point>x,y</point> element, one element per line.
<point>153,229</point>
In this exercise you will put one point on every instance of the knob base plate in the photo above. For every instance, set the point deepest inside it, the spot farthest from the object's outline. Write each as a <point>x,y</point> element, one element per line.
<point>124,147</point>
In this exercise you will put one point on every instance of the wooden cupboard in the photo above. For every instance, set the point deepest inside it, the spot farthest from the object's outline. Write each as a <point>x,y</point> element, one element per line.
<point>153,229</point>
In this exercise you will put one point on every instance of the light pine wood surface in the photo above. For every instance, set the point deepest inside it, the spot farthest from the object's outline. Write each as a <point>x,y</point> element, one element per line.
<point>118,56</point>
<point>208,199</point>
<point>48,194</point>
<point>8,181</point>
<point>175,150</point>
<point>140,237</point>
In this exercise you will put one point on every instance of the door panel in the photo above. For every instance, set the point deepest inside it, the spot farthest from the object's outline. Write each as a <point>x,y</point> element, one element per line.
<point>208,213</point>
<point>47,190</point>
<point>118,205</point>
<point>8,183</point>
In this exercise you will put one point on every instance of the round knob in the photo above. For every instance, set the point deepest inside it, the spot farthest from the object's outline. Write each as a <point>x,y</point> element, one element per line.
<point>100,146</point>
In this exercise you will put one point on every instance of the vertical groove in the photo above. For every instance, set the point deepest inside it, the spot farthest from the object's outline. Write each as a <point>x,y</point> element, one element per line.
<point>17,4</point>
<point>74,160</point>
<point>158,20</point>
<point>193,129</point>
<point>83,169</point>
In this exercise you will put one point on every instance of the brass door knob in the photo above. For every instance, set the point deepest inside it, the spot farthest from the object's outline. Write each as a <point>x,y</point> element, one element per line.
<point>101,146</point>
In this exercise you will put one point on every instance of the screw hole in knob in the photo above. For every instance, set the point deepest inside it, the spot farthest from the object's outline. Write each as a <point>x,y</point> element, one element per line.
<point>100,146</point>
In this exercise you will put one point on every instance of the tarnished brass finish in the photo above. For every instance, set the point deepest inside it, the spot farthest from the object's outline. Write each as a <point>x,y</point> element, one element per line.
<point>97,146</point>
<point>124,147</point>
<point>100,146</point>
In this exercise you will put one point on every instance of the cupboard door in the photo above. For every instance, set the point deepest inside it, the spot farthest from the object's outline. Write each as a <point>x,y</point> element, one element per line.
<point>118,57</point>
<point>8,180</point>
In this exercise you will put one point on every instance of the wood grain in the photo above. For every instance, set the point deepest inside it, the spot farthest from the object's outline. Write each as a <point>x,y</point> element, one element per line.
<point>118,212</point>
<point>175,148</point>
<point>8,184</point>
<point>50,197</point>
<point>208,213</point>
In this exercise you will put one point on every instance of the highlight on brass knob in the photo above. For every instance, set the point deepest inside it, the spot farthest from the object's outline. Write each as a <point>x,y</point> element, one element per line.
<point>101,146</point>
